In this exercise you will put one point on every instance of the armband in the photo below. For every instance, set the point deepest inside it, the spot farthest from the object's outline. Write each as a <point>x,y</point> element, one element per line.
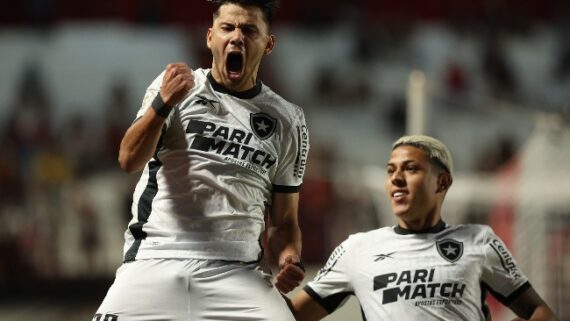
<point>301,265</point>
<point>161,109</point>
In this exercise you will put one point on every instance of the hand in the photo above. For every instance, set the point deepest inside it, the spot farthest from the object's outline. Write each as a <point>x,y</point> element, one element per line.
<point>176,82</point>
<point>290,274</point>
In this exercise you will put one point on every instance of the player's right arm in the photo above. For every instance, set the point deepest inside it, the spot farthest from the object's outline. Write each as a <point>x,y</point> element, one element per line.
<point>141,139</point>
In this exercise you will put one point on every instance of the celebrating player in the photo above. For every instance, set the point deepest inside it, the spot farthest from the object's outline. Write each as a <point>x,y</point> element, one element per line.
<point>422,268</point>
<point>215,146</point>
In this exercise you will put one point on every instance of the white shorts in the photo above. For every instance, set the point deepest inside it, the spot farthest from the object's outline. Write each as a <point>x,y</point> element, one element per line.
<point>192,290</point>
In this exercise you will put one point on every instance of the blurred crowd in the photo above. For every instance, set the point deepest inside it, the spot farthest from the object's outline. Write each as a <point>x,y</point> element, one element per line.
<point>44,164</point>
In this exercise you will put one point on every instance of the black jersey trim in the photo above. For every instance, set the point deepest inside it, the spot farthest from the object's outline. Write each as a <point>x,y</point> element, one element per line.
<point>484,306</point>
<point>330,303</point>
<point>247,94</point>
<point>440,226</point>
<point>286,189</point>
<point>144,206</point>
<point>362,313</point>
<point>507,300</point>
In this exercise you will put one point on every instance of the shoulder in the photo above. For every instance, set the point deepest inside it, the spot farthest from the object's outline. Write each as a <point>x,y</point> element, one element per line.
<point>370,238</point>
<point>476,233</point>
<point>200,73</point>
<point>288,108</point>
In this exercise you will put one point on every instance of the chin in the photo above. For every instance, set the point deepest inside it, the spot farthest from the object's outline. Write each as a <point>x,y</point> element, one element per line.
<point>400,209</point>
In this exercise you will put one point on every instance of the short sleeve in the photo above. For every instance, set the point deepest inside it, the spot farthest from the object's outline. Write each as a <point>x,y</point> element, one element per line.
<point>500,272</point>
<point>149,96</point>
<point>331,286</point>
<point>295,149</point>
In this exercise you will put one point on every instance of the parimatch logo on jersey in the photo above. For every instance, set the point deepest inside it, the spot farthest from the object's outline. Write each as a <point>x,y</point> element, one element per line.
<point>418,285</point>
<point>232,143</point>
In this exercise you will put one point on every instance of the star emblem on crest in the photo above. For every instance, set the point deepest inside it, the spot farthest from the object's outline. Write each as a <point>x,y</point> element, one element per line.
<point>262,125</point>
<point>449,249</point>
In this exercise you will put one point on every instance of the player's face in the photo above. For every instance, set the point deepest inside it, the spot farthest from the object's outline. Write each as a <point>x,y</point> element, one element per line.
<point>238,39</point>
<point>411,185</point>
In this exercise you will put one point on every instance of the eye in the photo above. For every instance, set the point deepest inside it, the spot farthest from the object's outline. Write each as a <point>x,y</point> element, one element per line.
<point>249,31</point>
<point>412,168</point>
<point>390,170</point>
<point>226,27</point>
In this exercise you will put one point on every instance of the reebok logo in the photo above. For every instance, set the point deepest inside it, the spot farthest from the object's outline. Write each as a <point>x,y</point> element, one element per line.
<point>381,257</point>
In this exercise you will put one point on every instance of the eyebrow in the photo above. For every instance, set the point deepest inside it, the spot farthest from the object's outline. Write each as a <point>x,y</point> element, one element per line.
<point>240,25</point>
<point>406,162</point>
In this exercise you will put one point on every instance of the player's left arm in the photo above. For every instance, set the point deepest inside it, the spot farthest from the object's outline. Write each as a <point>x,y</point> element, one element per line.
<point>501,273</point>
<point>530,306</point>
<point>285,240</point>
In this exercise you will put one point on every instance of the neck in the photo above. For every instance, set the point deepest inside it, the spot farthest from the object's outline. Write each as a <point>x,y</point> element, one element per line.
<point>423,223</point>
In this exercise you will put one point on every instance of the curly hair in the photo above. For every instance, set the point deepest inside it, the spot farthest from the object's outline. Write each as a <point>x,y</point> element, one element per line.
<point>267,7</point>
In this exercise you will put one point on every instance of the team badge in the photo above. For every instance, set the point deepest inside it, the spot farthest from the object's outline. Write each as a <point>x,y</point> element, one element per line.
<point>262,124</point>
<point>449,249</point>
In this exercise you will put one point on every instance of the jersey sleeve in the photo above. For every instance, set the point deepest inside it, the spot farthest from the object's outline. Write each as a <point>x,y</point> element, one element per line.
<point>501,275</point>
<point>151,92</point>
<point>295,149</point>
<point>332,287</point>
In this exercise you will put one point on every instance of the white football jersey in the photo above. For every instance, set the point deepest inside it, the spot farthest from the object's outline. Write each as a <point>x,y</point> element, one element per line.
<point>440,274</point>
<point>220,156</point>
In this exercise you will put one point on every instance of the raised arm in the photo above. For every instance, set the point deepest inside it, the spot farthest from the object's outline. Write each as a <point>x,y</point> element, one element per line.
<point>530,306</point>
<point>285,240</point>
<point>141,139</point>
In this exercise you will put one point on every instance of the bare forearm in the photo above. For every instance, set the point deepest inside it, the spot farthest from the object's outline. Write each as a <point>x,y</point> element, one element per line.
<point>140,141</point>
<point>285,240</point>
<point>541,313</point>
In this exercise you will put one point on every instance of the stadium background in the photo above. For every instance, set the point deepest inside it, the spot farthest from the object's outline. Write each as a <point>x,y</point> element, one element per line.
<point>491,78</point>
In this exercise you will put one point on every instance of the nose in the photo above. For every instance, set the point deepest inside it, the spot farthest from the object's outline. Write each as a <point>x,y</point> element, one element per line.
<point>237,37</point>
<point>397,178</point>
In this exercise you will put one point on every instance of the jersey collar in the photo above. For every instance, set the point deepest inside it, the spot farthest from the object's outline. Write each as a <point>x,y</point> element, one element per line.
<point>248,94</point>
<point>440,226</point>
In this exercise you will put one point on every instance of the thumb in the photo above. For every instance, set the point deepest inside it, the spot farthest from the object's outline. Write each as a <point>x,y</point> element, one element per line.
<point>289,259</point>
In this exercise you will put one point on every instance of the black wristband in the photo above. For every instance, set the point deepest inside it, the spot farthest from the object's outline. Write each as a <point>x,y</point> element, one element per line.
<point>161,109</point>
<point>301,265</point>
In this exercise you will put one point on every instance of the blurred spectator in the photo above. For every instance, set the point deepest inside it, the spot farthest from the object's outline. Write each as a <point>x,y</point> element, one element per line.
<point>396,116</point>
<point>497,71</point>
<point>496,155</point>
<point>117,120</point>
<point>317,204</point>
<point>81,145</point>
<point>456,82</point>
<point>89,240</point>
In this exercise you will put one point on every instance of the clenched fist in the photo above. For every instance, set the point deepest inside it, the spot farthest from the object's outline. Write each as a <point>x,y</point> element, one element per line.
<point>177,81</point>
<point>291,274</point>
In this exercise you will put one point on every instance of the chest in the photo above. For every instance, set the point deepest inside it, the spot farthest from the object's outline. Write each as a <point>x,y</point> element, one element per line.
<point>419,270</point>
<point>223,128</point>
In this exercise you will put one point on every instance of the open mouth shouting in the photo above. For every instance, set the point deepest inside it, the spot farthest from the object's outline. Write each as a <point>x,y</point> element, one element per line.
<point>234,65</point>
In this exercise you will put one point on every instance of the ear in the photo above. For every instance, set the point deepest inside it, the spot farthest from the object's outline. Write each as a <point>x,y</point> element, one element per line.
<point>209,38</point>
<point>444,181</point>
<point>270,44</point>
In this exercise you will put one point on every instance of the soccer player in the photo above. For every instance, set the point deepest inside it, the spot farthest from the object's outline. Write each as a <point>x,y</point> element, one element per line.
<point>215,146</point>
<point>422,268</point>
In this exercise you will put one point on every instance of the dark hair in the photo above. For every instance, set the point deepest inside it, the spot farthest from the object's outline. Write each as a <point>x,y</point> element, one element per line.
<point>267,7</point>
